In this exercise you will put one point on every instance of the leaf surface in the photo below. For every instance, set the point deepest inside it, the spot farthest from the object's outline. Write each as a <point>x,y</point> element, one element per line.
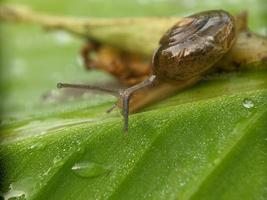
<point>206,142</point>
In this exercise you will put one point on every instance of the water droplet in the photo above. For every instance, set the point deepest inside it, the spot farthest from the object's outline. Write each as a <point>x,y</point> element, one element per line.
<point>89,169</point>
<point>247,103</point>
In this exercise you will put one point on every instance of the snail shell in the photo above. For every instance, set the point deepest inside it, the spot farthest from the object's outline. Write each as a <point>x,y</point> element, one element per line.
<point>192,46</point>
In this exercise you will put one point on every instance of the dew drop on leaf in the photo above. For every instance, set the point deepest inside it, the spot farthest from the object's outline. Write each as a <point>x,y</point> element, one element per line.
<point>89,169</point>
<point>247,103</point>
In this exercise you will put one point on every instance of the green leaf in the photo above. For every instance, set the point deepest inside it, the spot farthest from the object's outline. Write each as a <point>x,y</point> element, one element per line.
<point>207,142</point>
<point>194,149</point>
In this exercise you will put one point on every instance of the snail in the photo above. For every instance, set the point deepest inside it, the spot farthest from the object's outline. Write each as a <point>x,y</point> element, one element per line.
<point>193,48</point>
<point>186,52</point>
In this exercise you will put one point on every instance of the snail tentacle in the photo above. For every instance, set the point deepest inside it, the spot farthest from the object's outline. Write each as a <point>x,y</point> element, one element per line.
<point>124,95</point>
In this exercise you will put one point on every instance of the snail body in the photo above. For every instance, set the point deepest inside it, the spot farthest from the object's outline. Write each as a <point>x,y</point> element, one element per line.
<point>194,45</point>
<point>186,52</point>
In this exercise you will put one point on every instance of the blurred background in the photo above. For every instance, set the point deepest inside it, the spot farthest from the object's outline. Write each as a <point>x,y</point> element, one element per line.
<point>34,60</point>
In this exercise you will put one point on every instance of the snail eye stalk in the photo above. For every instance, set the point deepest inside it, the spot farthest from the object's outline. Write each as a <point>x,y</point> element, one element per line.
<point>123,95</point>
